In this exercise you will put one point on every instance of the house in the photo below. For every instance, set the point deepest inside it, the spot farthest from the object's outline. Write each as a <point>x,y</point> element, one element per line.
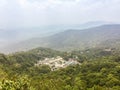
<point>56,63</point>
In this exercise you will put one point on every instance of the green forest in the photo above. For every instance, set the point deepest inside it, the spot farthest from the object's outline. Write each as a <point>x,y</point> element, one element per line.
<point>99,70</point>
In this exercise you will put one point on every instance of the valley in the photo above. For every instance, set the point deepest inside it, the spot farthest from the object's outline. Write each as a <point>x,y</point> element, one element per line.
<point>87,59</point>
<point>44,68</point>
<point>59,44</point>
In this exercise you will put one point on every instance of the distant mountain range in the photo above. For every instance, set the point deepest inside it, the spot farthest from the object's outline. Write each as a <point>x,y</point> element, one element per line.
<point>74,39</point>
<point>14,35</point>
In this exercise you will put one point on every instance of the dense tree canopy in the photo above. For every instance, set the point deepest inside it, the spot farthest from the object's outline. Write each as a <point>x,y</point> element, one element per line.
<point>99,70</point>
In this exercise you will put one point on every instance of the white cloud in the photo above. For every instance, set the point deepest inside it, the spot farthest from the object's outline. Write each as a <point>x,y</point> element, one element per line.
<point>45,4</point>
<point>2,3</point>
<point>45,12</point>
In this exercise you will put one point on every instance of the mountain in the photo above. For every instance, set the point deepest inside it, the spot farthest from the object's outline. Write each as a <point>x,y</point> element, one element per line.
<point>101,36</point>
<point>15,35</point>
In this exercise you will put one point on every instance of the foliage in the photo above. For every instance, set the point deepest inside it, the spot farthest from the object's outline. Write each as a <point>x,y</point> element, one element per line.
<point>97,71</point>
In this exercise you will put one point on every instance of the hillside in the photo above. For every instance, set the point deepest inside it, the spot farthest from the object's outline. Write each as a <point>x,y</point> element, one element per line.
<point>98,69</point>
<point>74,39</point>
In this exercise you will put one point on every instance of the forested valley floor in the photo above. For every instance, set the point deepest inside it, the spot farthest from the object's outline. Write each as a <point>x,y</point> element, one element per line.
<point>99,69</point>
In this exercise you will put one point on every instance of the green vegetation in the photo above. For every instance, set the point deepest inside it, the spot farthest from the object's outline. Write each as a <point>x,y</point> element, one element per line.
<point>99,70</point>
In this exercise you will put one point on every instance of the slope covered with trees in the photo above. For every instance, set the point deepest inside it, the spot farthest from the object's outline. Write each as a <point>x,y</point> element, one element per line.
<point>74,39</point>
<point>99,70</point>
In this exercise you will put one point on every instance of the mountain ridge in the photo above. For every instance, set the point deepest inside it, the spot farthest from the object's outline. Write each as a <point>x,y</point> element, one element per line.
<point>73,39</point>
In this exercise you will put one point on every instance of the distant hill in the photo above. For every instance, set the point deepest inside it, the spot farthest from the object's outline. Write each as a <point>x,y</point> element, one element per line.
<point>101,36</point>
<point>14,35</point>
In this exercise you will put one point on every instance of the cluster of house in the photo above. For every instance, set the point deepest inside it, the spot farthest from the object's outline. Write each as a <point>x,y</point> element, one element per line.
<point>57,63</point>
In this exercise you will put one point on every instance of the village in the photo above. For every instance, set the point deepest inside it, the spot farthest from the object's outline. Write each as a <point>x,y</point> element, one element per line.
<point>57,62</point>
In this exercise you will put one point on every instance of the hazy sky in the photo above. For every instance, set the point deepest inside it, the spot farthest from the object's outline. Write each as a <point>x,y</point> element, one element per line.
<point>30,13</point>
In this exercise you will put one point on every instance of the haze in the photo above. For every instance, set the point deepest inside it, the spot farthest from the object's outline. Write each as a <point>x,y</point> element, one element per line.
<point>28,13</point>
<point>24,19</point>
